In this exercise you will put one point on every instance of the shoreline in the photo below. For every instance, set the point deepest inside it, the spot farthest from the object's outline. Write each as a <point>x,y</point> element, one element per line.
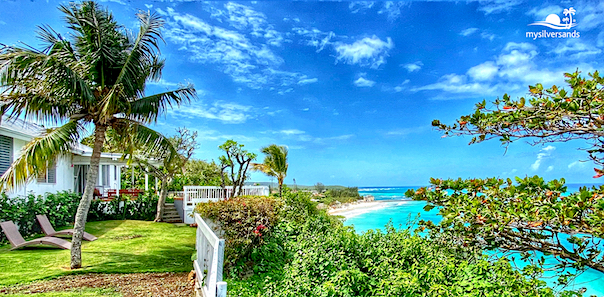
<point>350,210</point>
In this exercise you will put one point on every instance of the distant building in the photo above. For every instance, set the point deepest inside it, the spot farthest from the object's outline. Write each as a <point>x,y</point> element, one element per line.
<point>68,173</point>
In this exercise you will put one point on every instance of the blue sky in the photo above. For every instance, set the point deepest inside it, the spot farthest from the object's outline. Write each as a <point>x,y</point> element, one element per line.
<point>351,87</point>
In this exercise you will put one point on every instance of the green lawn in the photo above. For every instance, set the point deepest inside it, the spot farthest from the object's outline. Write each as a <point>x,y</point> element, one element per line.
<point>122,247</point>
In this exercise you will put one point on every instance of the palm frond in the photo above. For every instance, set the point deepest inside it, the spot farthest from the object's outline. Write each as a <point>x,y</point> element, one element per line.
<point>39,153</point>
<point>142,54</point>
<point>45,86</point>
<point>140,140</point>
<point>147,109</point>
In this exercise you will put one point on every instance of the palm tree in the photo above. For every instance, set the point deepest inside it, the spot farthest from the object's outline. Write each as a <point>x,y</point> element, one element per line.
<point>275,163</point>
<point>96,79</point>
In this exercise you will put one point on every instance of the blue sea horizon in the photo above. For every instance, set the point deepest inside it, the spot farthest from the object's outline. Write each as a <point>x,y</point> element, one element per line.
<point>401,212</point>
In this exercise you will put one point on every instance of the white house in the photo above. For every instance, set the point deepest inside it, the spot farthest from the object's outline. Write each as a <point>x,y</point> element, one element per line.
<point>69,171</point>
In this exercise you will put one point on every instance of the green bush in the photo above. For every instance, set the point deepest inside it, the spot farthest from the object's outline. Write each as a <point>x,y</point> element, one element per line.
<point>345,195</point>
<point>244,222</point>
<point>313,254</point>
<point>60,208</point>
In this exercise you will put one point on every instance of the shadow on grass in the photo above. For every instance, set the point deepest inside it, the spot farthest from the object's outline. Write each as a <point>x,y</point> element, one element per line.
<point>122,247</point>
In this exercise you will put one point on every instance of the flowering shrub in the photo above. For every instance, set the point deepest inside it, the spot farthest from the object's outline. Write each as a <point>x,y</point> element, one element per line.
<point>243,221</point>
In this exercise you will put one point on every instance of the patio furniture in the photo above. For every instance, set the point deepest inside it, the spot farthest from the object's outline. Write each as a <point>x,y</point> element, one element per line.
<point>17,241</point>
<point>50,231</point>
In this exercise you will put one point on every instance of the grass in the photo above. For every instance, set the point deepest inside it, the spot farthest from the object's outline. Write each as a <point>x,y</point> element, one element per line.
<point>122,247</point>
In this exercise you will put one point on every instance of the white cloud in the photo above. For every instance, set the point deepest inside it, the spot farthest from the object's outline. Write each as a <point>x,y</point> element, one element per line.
<point>543,154</point>
<point>549,168</point>
<point>540,13</point>
<point>468,31</point>
<point>576,49</point>
<point>600,39</point>
<point>392,9</point>
<point>243,51</point>
<point>489,36</point>
<point>165,84</point>
<point>497,6</point>
<point>213,135</point>
<point>357,6</point>
<point>510,72</point>
<point>402,86</point>
<point>306,81</point>
<point>302,136</point>
<point>592,15</point>
<point>362,82</point>
<point>315,37</point>
<point>412,67</point>
<point>290,132</point>
<point>576,164</point>
<point>226,112</point>
<point>484,71</point>
<point>407,131</point>
<point>369,51</point>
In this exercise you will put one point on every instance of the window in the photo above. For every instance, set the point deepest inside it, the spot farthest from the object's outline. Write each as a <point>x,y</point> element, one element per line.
<point>6,153</point>
<point>50,175</point>
<point>105,175</point>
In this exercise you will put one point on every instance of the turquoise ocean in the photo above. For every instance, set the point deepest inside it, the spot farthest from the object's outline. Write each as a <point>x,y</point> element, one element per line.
<point>400,211</point>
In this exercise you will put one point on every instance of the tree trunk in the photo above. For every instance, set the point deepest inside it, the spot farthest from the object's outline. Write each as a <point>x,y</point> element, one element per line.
<point>82,213</point>
<point>280,179</point>
<point>162,200</point>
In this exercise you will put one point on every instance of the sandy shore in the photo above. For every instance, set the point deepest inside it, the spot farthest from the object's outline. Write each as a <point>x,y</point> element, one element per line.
<point>355,209</point>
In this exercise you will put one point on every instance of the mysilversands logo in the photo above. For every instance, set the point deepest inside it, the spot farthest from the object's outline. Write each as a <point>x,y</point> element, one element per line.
<point>553,21</point>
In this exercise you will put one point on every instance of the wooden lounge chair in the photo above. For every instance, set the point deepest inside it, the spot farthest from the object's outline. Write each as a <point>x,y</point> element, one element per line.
<point>17,241</point>
<point>50,231</point>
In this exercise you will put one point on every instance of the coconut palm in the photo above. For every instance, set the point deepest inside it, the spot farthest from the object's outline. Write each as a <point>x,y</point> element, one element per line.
<point>93,80</point>
<point>275,163</point>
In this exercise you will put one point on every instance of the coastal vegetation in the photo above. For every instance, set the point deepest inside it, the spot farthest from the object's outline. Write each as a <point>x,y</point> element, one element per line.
<point>234,165</point>
<point>275,163</point>
<point>339,195</point>
<point>95,79</point>
<point>294,249</point>
<point>529,214</point>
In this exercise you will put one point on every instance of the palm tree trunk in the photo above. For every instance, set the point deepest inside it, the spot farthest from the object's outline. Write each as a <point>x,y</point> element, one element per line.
<point>82,213</point>
<point>280,178</point>
<point>162,200</point>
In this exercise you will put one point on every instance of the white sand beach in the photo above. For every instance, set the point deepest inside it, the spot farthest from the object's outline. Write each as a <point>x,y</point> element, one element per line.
<point>355,209</point>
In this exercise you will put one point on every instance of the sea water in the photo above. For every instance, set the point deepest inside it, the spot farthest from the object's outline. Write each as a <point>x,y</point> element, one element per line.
<point>402,212</point>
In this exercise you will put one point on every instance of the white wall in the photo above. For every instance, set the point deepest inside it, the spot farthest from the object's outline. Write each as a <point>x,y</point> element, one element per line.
<point>64,176</point>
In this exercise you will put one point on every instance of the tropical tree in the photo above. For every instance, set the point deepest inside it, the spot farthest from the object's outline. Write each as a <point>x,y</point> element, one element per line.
<point>95,79</point>
<point>165,164</point>
<point>198,173</point>
<point>275,163</point>
<point>529,214</point>
<point>234,165</point>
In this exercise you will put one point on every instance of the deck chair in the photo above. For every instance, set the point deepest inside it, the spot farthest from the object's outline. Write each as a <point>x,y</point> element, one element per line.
<point>17,241</point>
<point>50,231</point>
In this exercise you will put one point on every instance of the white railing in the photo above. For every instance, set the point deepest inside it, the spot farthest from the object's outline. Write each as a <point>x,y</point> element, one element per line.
<point>209,263</point>
<point>201,194</point>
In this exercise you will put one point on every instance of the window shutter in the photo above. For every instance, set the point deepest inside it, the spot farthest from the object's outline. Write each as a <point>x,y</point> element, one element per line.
<point>6,153</point>
<point>52,172</point>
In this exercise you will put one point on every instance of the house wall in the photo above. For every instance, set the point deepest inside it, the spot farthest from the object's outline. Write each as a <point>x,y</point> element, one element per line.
<point>65,178</point>
<point>64,175</point>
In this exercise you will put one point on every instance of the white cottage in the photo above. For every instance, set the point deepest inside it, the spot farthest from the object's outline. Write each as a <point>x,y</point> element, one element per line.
<point>69,171</point>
